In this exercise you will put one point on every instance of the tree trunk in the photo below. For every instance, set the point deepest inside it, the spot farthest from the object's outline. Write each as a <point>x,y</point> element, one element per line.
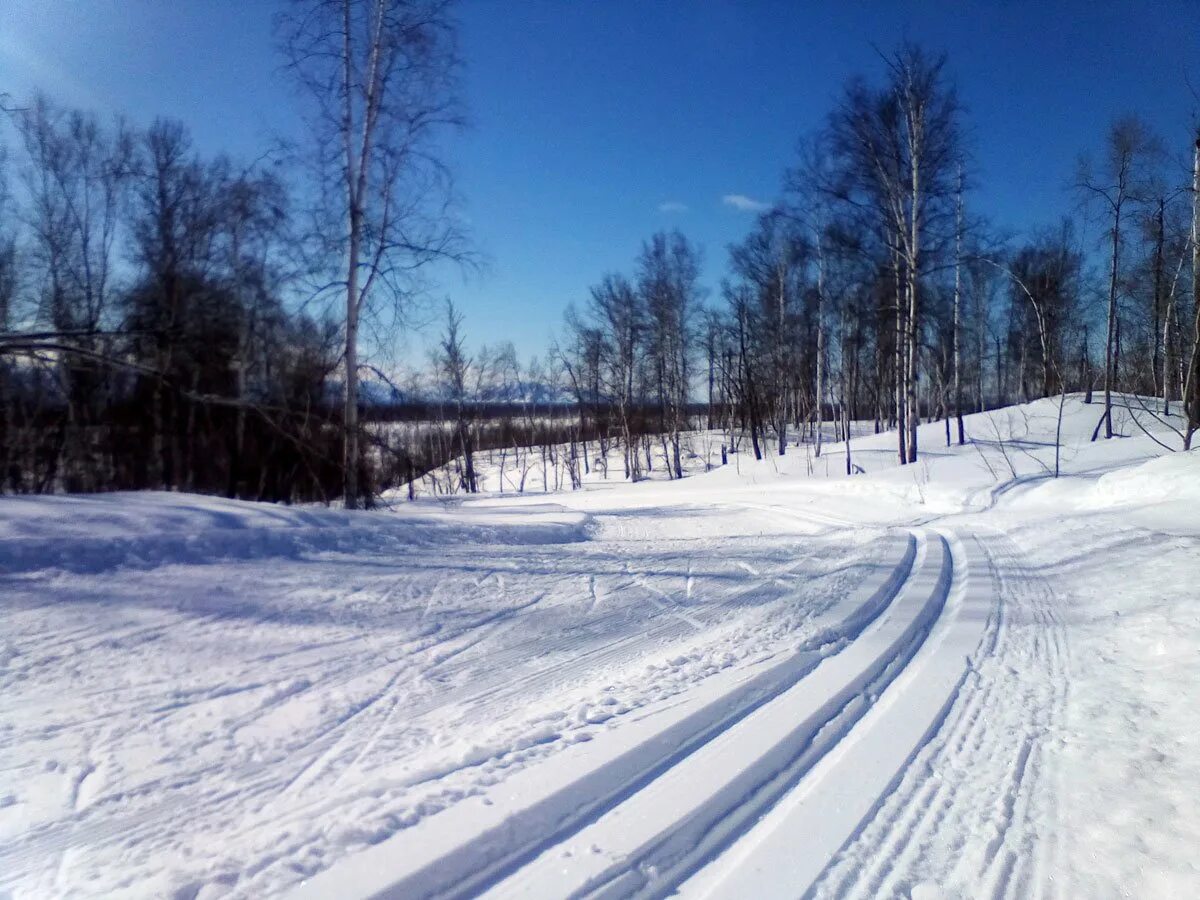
<point>900,368</point>
<point>981,316</point>
<point>1156,312</point>
<point>957,310</point>
<point>1168,361</point>
<point>468,451</point>
<point>914,336</point>
<point>350,406</point>
<point>1110,341</point>
<point>913,412</point>
<point>1192,392</point>
<point>1085,368</point>
<point>820,416</point>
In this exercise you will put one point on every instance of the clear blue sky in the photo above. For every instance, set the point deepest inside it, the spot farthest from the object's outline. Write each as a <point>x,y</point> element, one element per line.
<point>596,123</point>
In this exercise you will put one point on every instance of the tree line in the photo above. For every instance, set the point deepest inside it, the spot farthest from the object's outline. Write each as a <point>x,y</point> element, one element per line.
<point>187,323</point>
<point>145,341</point>
<point>871,290</point>
<point>173,321</point>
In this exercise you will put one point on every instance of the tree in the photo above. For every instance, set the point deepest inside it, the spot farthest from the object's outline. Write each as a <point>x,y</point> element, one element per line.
<point>76,180</point>
<point>1192,389</point>
<point>1154,280</point>
<point>770,267</point>
<point>253,223</point>
<point>1045,289</point>
<point>580,362</point>
<point>455,367</point>
<point>381,80</point>
<point>810,188</point>
<point>898,149</point>
<point>619,319</point>
<point>1120,181</point>
<point>958,264</point>
<point>668,276</point>
<point>182,319</point>
<point>9,283</point>
<point>1038,308</point>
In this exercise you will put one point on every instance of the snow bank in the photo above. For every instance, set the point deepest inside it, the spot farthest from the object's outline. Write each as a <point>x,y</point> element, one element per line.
<point>1172,477</point>
<point>94,534</point>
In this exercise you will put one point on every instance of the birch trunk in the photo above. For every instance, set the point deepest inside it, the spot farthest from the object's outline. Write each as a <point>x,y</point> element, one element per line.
<point>958,233</point>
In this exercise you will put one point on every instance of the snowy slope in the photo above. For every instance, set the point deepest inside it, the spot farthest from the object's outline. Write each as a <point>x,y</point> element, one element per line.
<point>759,681</point>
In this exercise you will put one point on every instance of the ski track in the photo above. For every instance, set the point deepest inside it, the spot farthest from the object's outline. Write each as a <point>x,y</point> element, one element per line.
<point>726,688</point>
<point>592,794</point>
<point>988,770</point>
<point>466,673</point>
<point>980,769</point>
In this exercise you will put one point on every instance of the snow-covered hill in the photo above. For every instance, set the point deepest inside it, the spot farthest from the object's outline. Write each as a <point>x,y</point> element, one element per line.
<point>959,677</point>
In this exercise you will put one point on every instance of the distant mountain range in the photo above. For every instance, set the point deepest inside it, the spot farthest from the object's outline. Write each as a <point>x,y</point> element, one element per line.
<point>376,392</point>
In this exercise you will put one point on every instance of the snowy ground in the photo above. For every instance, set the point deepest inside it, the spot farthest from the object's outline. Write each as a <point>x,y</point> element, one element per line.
<point>533,470</point>
<point>959,678</point>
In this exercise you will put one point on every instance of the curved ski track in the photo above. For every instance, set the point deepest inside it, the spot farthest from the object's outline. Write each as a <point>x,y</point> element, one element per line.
<point>985,773</point>
<point>913,750</point>
<point>473,846</point>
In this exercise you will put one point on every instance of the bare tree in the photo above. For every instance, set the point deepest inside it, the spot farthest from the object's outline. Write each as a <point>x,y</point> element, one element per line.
<point>1052,365</point>
<point>619,317</point>
<point>899,151</point>
<point>381,80</point>
<point>1117,185</point>
<point>253,219</point>
<point>770,265</point>
<point>174,236</point>
<point>742,368</point>
<point>668,276</point>
<point>1192,388</point>
<point>455,367</point>
<point>957,337</point>
<point>76,181</point>
<point>9,283</point>
<point>929,113</point>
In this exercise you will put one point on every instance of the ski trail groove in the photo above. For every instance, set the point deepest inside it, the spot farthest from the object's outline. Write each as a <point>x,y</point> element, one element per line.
<point>475,844</point>
<point>966,812</point>
<point>674,825</point>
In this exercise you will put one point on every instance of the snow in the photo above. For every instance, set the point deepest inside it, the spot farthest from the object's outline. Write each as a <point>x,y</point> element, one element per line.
<point>960,677</point>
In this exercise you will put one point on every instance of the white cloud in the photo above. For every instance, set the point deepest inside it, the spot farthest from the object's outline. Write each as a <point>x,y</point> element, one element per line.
<point>744,203</point>
<point>672,206</point>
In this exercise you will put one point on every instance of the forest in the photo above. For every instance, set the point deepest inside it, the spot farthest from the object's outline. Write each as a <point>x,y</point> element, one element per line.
<point>176,321</point>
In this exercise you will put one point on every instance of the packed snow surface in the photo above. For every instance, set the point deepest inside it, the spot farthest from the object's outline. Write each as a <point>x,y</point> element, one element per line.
<point>963,677</point>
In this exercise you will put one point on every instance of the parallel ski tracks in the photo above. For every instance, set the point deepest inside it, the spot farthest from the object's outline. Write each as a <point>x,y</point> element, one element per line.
<point>425,676</point>
<point>985,772</point>
<point>792,721</point>
<point>473,846</point>
<point>648,845</point>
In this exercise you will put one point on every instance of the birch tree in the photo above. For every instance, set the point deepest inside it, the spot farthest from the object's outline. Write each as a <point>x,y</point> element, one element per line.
<point>380,78</point>
<point>668,276</point>
<point>76,179</point>
<point>957,336</point>
<point>1116,185</point>
<point>898,149</point>
<point>455,368</point>
<point>619,318</point>
<point>1192,384</point>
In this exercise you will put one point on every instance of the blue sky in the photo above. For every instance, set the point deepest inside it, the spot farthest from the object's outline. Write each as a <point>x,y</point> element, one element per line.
<point>596,123</point>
